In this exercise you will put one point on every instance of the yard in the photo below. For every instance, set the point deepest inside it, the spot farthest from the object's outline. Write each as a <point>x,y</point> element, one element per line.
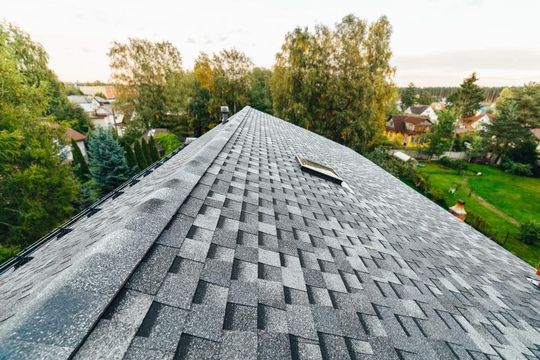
<point>502,201</point>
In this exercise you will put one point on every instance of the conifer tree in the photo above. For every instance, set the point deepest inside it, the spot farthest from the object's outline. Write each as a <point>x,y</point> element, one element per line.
<point>80,167</point>
<point>146,151</point>
<point>130,157</point>
<point>108,164</point>
<point>154,153</point>
<point>139,156</point>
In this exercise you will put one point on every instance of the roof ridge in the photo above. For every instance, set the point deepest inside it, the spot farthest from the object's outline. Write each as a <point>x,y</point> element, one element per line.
<point>84,291</point>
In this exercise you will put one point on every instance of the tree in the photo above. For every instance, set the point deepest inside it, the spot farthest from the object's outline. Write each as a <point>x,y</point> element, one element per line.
<point>527,99</point>
<point>336,82</point>
<point>506,130</point>
<point>259,95</point>
<point>37,190</point>
<point>169,142</point>
<point>139,156</point>
<point>108,164</point>
<point>199,111</point>
<point>146,76</point>
<point>154,153</point>
<point>408,96</point>
<point>442,133</point>
<point>146,151</point>
<point>466,99</point>
<point>425,97</point>
<point>130,157</point>
<point>80,167</point>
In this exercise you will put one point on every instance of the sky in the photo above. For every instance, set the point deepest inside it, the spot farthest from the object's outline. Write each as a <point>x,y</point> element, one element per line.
<point>434,42</point>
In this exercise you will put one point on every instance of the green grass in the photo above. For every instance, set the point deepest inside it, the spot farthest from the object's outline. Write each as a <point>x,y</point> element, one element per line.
<point>516,199</point>
<point>7,252</point>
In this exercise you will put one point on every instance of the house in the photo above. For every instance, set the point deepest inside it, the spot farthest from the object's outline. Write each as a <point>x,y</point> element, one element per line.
<point>91,90</point>
<point>438,106</point>
<point>100,111</point>
<point>230,249</point>
<point>408,130</point>
<point>474,123</point>
<point>536,133</point>
<point>423,110</point>
<point>72,134</point>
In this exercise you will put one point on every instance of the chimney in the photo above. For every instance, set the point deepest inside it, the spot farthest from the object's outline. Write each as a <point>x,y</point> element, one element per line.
<point>224,114</point>
<point>458,210</point>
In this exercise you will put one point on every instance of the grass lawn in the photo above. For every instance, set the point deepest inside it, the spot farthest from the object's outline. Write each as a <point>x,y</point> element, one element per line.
<point>502,200</point>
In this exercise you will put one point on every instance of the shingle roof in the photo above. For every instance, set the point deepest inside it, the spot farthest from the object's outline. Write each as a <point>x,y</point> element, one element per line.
<point>419,109</point>
<point>230,251</point>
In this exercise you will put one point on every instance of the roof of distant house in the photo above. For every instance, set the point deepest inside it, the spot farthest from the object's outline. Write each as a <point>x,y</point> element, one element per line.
<point>229,250</point>
<point>536,132</point>
<point>418,109</point>
<point>71,134</point>
<point>107,90</point>
<point>400,121</point>
<point>80,99</point>
<point>469,121</point>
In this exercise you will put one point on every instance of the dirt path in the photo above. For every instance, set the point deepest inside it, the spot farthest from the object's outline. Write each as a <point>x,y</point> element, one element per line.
<point>494,209</point>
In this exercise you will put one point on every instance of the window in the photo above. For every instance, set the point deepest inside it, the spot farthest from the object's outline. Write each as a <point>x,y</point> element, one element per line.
<point>319,169</point>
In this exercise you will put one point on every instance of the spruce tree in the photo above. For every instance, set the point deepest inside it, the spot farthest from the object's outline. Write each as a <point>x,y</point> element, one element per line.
<point>139,156</point>
<point>80,167</point>
<point>154,153</point>
<point>108,164</point>
<point>130,157</point>
<point>146,151</point>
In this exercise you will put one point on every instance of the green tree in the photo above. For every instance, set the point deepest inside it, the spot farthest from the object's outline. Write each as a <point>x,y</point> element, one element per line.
<point>169,142</point>
<point>108,164</point>
<point>139,156</point>
<point>506,130</point>
<point>154,153</point>
<point>37,190</point>
<point>259,95</point>
<point>408,96</point>
<point>80,167</point>
<point>146,151</point>
<point>425,97</point>
<point>146,76</point>
<point>199,111</point>
<point>466,99</point>
<point>337,82</point>
<point>130,157</point>
<point>442,133</point>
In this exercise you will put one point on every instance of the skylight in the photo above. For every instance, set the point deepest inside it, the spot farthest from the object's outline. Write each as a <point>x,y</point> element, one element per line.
<point>319,169</point>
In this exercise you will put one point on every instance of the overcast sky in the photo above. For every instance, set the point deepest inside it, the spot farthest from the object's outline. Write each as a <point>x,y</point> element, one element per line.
<point>435,42</point>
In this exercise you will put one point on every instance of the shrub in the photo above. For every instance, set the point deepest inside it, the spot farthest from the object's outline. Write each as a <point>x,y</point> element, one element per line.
<point>459,165</point>
<point>517,168</point>
<point>529,232</point>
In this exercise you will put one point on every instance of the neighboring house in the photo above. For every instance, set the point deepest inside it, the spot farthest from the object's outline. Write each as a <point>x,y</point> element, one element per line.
<point>408,130</point>
<point>423,110</point>
<point>229,249</point>
<point>72,134</point>
<point>100,111</point>
<point>474,123</point>
<point>438,105</point>
<point>486,107</point>
<point>106,90</point>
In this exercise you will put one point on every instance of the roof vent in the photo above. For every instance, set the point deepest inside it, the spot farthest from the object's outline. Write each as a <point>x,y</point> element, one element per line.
<point>224,114</point>
<point>319,169</point>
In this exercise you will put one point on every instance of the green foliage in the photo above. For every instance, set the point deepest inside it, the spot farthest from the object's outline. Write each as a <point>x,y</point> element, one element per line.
<point>37,190</point>
<point>442,133</point>
<point>154,153</point>
<point>259,95</point>
<point>466,99</point>
<point>524,152</point>
<point>530,232</point>
<point>459,165</point>
<point>146,151</point>
<point>198,109</point>
<point>130,157</point>
<point>425,97</point>
<point>336,82</point>
<point>80,167</point>
<point>408,96</point>
<point>139,156</point>
<point>517,168</point>
<point>169,142</point>
<point>108,165</point>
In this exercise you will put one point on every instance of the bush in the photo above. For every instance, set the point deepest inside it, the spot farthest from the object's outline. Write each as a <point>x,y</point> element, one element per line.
<point>517,168</point>
<point>459,165</point>
<point>529,232</point>
<point>169,142</point>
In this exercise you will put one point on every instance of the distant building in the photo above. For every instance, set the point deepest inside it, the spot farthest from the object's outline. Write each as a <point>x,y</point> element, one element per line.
<point>71,134</point>
<point>106,90</point>
<point>100,111</point>
<point>408,130</point>
<point>474,123</point>
<point>438,105</point>
<point>423,110</point>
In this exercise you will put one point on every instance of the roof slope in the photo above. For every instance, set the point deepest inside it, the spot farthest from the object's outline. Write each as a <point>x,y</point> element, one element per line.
<point>230,251</point>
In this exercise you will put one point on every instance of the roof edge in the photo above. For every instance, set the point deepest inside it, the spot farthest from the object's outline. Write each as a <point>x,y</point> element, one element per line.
<point>81,294</point>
